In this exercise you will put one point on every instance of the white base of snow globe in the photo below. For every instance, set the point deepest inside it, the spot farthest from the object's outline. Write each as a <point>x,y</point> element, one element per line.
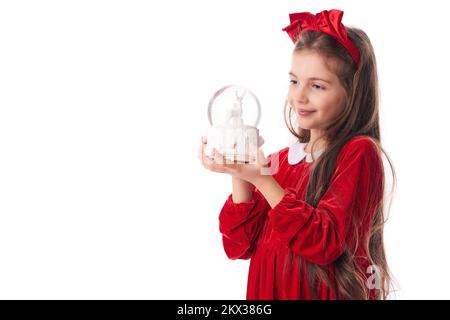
<point>238,144</point>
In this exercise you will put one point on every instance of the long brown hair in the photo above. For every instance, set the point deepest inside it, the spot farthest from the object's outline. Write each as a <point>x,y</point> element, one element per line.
<point>360,116</point>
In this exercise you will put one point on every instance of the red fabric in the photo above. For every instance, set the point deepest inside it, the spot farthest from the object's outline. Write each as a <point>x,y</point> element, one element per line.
<point>280,240</point>
<point>326,21</point>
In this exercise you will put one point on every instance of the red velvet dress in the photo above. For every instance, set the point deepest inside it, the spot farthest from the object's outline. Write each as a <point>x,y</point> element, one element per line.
<point>280,240</point>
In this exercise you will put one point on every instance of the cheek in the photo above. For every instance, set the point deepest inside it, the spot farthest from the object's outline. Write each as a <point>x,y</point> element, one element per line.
<point>328,110</point>
<point>322,103</point>
<point>331,103</point>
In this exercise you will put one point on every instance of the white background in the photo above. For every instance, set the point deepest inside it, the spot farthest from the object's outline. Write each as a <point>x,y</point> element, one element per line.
<point>102,105</point>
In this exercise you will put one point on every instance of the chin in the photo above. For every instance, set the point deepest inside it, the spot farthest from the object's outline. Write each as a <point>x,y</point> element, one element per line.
<point>305,125</point>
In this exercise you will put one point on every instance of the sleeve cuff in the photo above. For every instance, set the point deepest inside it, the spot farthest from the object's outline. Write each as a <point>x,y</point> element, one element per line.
<point>289,215</point>
<point>234,214</point>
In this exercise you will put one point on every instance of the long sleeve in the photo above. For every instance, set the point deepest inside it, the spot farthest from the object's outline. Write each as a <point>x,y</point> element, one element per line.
<point>241,224</point>
<point>321,234</point>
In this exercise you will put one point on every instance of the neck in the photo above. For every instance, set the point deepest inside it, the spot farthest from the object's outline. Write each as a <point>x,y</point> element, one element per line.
<point>317,139</point>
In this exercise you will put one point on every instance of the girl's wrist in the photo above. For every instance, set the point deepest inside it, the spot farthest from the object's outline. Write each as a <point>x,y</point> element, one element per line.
<point>270,189</point>
<point>242,190</point>
<point>261,180</point>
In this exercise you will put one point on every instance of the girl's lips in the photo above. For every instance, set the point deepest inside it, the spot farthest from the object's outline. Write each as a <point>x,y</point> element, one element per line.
<point>305,113</point>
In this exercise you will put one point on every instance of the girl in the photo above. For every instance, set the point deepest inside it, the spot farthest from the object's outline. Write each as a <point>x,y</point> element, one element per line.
<point>314,228</point>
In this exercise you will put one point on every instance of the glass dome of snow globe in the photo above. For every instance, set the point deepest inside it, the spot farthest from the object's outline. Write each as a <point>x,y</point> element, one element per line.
<point>233,113</point>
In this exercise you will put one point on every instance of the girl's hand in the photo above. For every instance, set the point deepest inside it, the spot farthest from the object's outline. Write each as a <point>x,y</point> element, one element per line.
<point>249,172</point>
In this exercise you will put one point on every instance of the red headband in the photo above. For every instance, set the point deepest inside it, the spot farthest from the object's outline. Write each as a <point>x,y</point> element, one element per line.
<point>326,21</point>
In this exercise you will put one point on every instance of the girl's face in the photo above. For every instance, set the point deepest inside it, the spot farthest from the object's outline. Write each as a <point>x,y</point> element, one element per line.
<point>315,90</point>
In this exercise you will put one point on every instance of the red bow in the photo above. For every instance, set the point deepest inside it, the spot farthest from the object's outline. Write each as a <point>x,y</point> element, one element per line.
<point>326,21</point>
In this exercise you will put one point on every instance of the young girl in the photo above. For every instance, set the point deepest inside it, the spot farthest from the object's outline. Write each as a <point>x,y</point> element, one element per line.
<point>314,228</point>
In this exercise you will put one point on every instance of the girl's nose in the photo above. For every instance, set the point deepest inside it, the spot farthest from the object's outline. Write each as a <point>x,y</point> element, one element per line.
<point>300,95</point>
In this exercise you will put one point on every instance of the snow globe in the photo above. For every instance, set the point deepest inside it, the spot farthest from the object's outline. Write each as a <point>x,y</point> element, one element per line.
<point>233,113</point>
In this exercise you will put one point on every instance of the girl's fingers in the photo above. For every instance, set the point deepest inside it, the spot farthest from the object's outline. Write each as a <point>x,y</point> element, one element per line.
<point>218,157</point>
<point>218,164</point>
<point>221,164</point>
<point>201,153</point>
<point>260,141</point>
<point>211,164</point>
<point>203,146</point>
<point>205,159</point>
<point>262,160</point>
<point>222,160</point>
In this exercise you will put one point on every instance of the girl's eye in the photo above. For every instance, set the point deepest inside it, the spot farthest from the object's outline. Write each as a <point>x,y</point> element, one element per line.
<point>316,86</point>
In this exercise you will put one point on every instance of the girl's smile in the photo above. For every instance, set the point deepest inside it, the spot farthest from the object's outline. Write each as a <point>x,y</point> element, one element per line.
<point>304,113</point>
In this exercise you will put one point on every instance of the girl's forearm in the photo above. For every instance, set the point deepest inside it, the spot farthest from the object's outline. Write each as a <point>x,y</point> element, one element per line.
<point>270,189</point>
<point>242,190</point>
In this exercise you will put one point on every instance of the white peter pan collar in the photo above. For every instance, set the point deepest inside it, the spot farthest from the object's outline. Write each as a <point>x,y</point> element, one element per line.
<point>297,153</point>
